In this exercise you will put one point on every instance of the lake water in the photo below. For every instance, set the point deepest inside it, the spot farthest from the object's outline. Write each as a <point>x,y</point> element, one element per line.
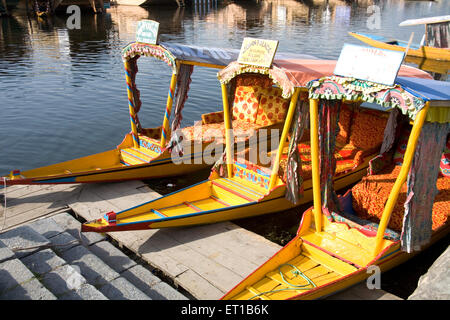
<point>63,95</point>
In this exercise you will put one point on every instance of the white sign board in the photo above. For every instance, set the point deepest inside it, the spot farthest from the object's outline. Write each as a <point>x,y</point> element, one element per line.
<point>368,63</point>
<point>147,31</point>
<point>258,52</point>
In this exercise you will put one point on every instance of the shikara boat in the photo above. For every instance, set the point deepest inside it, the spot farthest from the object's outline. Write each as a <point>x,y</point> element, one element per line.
<point>415,50</point>
<point>146,153</point>
<point>343,240</point>
<point>435,43</point>
<point>244,186</point>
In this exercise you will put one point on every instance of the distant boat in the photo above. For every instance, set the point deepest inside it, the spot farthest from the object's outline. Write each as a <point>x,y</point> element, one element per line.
<point>435,44</point>
<point>415,50</point>
<point>148,2</point>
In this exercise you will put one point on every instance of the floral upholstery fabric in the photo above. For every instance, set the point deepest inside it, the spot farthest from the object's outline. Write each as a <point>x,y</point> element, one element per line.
<point>272,107</point>
<point>246,101</point>
<point>246,96</point>
<point>367,130</point>
<point>216,131</point>
<point>213,117</point>
<point>348,157</point>
<point>401,147</point>
<point>345,120</point>
<point>153,133</point>
<point>254,80</point>
<point>371,193</point>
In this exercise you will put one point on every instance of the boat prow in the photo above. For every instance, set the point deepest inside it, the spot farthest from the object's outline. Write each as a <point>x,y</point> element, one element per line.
<point>209,201</point>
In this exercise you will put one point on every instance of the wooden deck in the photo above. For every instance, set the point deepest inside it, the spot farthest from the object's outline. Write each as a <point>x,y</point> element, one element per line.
<point>206,261</point>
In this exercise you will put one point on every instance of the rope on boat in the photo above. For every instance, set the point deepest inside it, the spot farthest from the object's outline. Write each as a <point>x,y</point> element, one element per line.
<point>297,272</point>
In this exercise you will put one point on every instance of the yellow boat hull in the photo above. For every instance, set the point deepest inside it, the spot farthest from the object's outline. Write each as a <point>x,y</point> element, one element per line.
<point>104,167</point>
<point>333,261</point>
<point>423,52</point>
<point>214,200</point>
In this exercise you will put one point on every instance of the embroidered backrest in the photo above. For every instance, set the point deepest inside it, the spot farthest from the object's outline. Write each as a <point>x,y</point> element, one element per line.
<point>345,120</point>
<point>247,96</point>
<point>272,107</point>
<point>367,129</point>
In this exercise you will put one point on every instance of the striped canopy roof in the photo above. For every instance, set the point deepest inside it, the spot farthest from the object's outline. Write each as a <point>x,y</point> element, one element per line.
<point>408,94</point>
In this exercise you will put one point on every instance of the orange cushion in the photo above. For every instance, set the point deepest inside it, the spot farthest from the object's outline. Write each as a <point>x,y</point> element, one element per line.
<point>371,193</point>
<point>345,120</point>
<point>272,107</point>
<point>367,129</point>
<point>213,117</point>
<point>245,103</point>
<point>259,80</point>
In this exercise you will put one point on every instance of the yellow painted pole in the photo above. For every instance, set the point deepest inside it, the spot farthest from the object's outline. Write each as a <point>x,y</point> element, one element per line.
<point>407,161</point>
<point>314,132</point>
<point>131,105</point>
<point>228,129</point>
<point>284,133</point>
<point>165,132</point>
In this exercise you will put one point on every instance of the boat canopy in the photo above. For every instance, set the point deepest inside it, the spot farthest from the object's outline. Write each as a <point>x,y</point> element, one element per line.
<point>425,101</point>
<point>181,58</point>
<point>291,73</point>
<point>189,54</point>
<point>408,94</point>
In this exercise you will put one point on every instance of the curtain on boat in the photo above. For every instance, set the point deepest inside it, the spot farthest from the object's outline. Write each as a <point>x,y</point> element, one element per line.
<point>181,95</point>
<point>328,129</point>
<point>132,63</point>
<point>294,180</point>
<point>438,35</point>
<point>385,157</point>
<point>421,186</point>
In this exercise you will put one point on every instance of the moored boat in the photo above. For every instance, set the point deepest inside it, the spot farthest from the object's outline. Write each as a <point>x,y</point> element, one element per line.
<point>147,153</point>
<point>379,222</point>
<point>435,43</point>
<point>246,186</point>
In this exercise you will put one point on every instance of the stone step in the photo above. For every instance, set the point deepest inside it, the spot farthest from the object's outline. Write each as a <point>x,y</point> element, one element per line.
<point>61,263</point>
<point>113,257</point>
<point>151,285</point>
<point>19,283</point>
<point>23,237</point>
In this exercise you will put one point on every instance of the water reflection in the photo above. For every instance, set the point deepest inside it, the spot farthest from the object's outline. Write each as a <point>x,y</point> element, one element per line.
<point>63,92</point>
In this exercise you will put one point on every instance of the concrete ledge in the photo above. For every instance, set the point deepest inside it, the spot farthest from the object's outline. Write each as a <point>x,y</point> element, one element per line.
<point>435,284</point>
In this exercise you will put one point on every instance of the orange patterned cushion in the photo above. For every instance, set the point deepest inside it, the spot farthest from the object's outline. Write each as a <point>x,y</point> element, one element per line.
<point>245,103</point>
<point>254,80</point>
<point>154,133</point>
<point>272,107</point>
<point>216,131</point>
<point>347,157</point>
<point>213,117</point>
<point>345,120</point>
<point>371,193</point>
<point>367,129</point>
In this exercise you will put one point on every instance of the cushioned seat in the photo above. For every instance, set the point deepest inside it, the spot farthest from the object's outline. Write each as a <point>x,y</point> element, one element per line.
<point>216,131</point>
<point>371,193</point>
<point>256,105</point>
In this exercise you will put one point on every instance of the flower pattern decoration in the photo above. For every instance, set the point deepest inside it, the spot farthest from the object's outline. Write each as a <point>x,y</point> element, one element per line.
<point>335,87</point>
